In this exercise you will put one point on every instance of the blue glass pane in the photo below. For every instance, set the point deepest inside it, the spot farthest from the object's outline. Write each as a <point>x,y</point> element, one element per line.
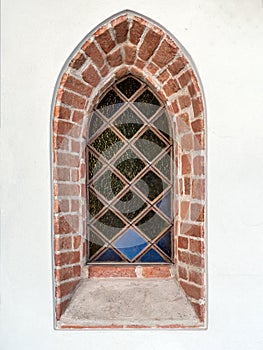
<point>130,243</point>
<point>165,205</point>
<point>109,255</point>
<point>165,244</point>
<point>152,256</point>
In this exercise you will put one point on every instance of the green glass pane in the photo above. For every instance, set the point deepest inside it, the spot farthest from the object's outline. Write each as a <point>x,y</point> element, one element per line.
<point>164,165</point>
<point>94,243</point>
<point>163,126</point>
<point>94,165</point>
<point>95,123</point>
<point>109,224</point>
<point>128,123</point>
<point>147,103</point>
<point>150,145</point>
<point>129,86</point>
<point>94,205</point>
<point>108,184</point>
<point>110,104</point>
<point>107,143</point>
<point>151,185</point>
<point>129,164</point>
<point>152,224</point>
<point>130,205</point>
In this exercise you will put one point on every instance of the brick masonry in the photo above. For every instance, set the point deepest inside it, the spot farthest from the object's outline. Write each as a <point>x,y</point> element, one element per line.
<point>129,44</point>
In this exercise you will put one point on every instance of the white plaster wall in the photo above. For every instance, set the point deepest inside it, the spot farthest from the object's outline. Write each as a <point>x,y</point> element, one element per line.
<point>225,40</point>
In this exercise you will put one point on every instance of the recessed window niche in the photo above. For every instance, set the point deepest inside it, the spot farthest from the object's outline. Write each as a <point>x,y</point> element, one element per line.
<point>129,182</point>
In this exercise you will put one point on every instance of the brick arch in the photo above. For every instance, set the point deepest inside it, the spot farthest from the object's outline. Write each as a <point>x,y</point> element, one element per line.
<point>128,44</point>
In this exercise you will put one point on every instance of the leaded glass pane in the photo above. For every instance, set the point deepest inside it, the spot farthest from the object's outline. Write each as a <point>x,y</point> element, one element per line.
<point>129,177</point>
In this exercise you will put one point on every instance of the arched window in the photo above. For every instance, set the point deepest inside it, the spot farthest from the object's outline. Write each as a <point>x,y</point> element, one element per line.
<point>130,192</point>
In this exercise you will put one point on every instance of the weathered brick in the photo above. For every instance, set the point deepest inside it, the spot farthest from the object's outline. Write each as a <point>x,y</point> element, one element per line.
<point>182,272</point>
<point>62,127</point>
<point>198,125</point>
<point>187,186</point>
<point>105,41</point>
<point>184,101</point>
<point>77,241</point>
<point>184,209</point>
<point>62,174</point>
<point>196,277</point>
<point>136,31</point>
<point>121,30</point>
<point>77,86</point>
<point>200,310</point>
<point>93,52</point>
<point>186,164</point>
<point>78,61</point>
<point>115,58</point>
<point>67,258</point>
<point>183,123</point>
<point>196,246</point>
<point>171,87</point>
<point>62,112</point>
<point>60,308</point>
<point>152,68</point>
<point>192,290</point>
<point>112,271</point>
<point>164,54</point>
<point>199,165</point>
<point>61,205</point>
<point>91,76</point>
<point>62,243</point>
<point>67,273</point>
<point>197,212</point>
<point>198,186</point>
<point>67,190</point>
<point>61,142</point>
<point>177,65</point>
<point>66,288</point>
<point>183,242</point>
<point>163,76</point>
<point>66,224</point>
<point>73,100</point>
<point>192,230</point>
<point>197,106</point>
<point>150,43</point>
<point>156,271</point>
<point>130,53</point>
<point>187,142</point>
<point>185,78</point>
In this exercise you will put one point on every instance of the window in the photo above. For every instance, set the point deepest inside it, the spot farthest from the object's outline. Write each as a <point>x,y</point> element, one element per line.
<point>130,192</point>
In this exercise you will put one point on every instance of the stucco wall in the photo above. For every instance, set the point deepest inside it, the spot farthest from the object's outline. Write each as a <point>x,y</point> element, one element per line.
<point>225,41</point>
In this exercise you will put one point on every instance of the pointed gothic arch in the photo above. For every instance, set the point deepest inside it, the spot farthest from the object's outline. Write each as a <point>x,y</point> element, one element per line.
<point>128,44</point>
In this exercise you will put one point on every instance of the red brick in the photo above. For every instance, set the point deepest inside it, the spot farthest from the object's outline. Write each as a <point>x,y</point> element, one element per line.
<point>112,271</point>
<point>193,89</point>
<point>93,52</point>
<point>67,159</point>
<point>139,63</point>
<point>183,257</point>
<point>197,106</point>
<point>182,272</point>
<point>115,59</point>
<point>83,171</point>
<point>171,87</point>
<point>196,246</point>
<point>156,271</point>
<point>60,308</point>
<point>74,175</point>
<point>174,106</point>
<point>196,277</point>
<point>78,61</point>
<point>184,209</point>
<point>177,65</point>
<point>75,146</point>
<point>192,290</point>
<point>187,186</point>
<point>199,165</point>
<point>184,101</point>
<point>187,142</point>
<point>62,127</point>
<point>200,310</point>
<point>186,164</point>
<point>60,142</point>
<point>130,53</point>
<point>105,41</point>
<point>198,125</point>
<point>136,31</point>
<point>70,99</point>
<point>91,76</point>
<point>62,112</point>
<point>192,230</point>
<point>198,186</point>
<point>197,212</point>
<point>67,190</point>
<point>150,43</point>
<point>62,174</point>
<point>61,205</point>
<point>183,242</point>
<point>77,241</point>
<point>77,86</point>
<point>67,273</point>
<point>104,71</point>
<point>121,72</point>
<point>66,288</point>
<point>66,224</point>
<point>62,243</point>
<point>74,205</point>
<point>183,123</point>
<point>199,142</point>
<point>152,68</point>
<point>68,258</point>
<point>163,76</point>
<point>184,79</point>
<point>121,30</point>
<point>164,54</point>
<point>196,260</point>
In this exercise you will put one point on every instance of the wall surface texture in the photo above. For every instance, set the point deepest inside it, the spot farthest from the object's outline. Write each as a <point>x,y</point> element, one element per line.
<point>225,42</point>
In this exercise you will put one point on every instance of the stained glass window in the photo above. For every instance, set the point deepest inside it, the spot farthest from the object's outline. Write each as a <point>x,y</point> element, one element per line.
<point>130,193</point>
